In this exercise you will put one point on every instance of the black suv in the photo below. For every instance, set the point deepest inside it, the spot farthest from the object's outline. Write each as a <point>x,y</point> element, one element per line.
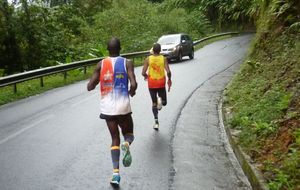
<point>175,46</point>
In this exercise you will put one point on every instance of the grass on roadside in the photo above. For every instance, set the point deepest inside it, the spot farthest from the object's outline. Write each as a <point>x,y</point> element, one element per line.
<point>264,102</point>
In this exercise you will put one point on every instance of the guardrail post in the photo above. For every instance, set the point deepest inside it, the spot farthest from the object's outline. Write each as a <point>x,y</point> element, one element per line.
<point>15,88</point>
<point>84,69</point>
<point>42,82</point>
<point>65,75</point>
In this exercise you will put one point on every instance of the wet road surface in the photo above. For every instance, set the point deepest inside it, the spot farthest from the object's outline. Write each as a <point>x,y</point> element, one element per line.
<point>56,140</point>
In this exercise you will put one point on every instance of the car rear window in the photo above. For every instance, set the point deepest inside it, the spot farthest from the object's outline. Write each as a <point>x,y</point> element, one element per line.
<point>169,39</point>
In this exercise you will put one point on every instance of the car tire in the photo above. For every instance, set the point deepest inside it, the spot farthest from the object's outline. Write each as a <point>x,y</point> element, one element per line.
<point>179,58</point>
<point>191,55</point>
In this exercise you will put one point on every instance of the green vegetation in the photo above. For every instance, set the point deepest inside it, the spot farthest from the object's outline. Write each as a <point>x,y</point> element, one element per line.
<point>41,33</point>
<point>264,97</point>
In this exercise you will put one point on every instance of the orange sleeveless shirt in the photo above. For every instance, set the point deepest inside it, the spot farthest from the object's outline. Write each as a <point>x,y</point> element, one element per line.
<point>156,73</point>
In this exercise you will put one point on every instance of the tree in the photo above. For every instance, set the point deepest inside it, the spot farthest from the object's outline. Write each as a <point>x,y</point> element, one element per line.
<point>10,59</point>
<point>222,13</point>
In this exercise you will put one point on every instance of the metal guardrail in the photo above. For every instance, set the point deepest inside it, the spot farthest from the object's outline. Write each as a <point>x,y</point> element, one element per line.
<point>214,36</point>
<point>40,73</point>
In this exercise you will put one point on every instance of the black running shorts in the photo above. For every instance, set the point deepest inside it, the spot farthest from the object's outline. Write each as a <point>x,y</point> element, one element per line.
<point>161,92</point>
<point>114,117</point>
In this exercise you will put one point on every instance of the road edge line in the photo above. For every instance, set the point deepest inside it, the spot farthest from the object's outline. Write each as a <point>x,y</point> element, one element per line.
<point>254,176</point>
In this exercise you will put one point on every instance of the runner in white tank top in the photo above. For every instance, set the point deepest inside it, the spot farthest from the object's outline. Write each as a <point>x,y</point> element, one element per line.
<point>113,74</point>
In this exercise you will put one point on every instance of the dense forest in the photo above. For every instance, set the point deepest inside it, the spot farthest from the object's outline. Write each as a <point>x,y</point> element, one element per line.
<point>263,99</point>
<point>41,33</point>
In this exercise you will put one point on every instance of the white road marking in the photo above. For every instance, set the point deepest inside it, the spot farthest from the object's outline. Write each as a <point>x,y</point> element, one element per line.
<point>24,129</point>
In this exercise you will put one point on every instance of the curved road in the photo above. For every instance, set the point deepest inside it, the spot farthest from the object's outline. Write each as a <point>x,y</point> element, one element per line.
<point>56,140</point>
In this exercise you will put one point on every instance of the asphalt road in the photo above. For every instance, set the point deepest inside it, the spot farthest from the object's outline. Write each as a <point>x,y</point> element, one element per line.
<point>56,140</point>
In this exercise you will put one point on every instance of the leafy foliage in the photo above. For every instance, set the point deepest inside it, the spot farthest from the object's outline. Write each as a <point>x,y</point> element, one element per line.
<point>223,13</point>
<point>264,97</point>
<point>40,33</point>
<point>10,55</point>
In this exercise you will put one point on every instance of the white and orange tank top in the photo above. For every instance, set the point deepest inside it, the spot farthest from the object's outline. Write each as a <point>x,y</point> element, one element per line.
<point>114,87</point>
<point>156,73</point>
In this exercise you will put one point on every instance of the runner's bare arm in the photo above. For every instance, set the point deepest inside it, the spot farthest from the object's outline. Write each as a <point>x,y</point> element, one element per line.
<point>145,67</point>
<point>95,78</point>
<point>131,77</point>
<point>167,68</point>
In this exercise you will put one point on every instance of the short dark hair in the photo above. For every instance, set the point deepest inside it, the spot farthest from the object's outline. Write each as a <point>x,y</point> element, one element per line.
<point>114,45</point>
<point>156,48</point>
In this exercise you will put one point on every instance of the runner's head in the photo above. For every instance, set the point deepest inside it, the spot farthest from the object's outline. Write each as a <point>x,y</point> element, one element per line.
<point>114,46</point>
<point>156,48</point>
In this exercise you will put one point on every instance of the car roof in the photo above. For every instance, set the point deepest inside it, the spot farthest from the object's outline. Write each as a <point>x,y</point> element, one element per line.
<point>174,34</point>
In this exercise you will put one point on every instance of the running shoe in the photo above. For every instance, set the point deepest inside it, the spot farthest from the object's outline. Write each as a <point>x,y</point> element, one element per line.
<point>115,179</point>
<point>159,103</point>
<point>127,159</point>
<point>156,126</point>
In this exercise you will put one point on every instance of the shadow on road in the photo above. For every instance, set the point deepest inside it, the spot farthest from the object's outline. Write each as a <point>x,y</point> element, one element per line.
<point>186,60</point>
<point>115,187</point>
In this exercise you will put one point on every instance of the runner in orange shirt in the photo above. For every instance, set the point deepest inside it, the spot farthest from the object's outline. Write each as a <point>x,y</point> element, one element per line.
<point>156,65</point>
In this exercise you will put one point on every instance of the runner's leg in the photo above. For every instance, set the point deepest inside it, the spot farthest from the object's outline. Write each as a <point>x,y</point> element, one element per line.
<point>162,93</point>
<point>153,94</point>
<point>126,125</point>
<point>115,145</point>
